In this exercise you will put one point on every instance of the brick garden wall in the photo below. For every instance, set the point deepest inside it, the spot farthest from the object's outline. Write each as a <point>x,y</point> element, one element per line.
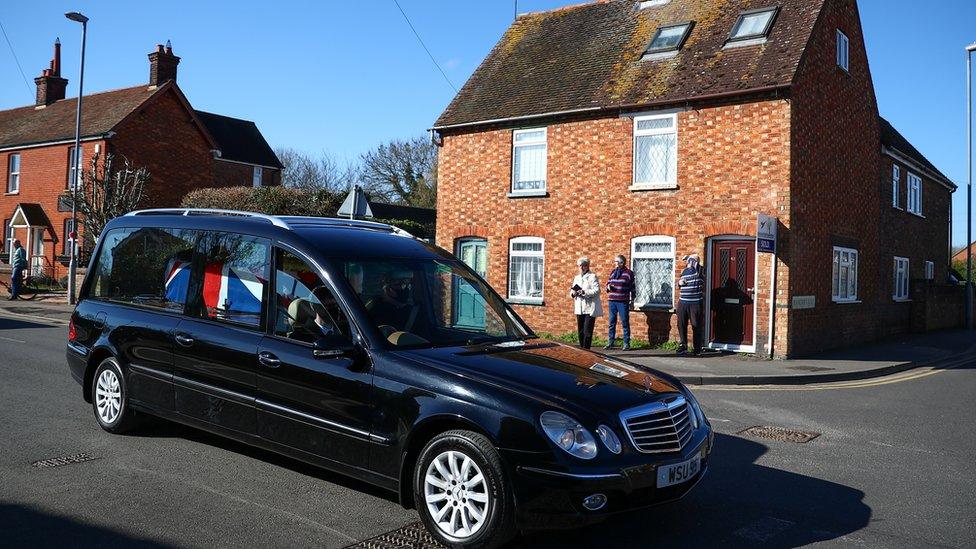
<point>733,163</point>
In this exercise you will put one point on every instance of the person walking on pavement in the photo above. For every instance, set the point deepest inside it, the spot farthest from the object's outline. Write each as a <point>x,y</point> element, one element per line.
<point>585,292</point>
<point>692,294</point>
<point>620,294</point>
<point>18,263</point>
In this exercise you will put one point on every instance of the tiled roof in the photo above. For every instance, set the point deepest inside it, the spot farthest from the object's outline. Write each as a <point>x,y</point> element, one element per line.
<point>893,138</point>
<point>239,140</point>
<point>55,122</point>
<point>589,56</point>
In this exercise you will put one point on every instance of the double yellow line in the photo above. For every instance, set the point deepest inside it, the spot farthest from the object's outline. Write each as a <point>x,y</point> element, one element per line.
<point>858,384</point>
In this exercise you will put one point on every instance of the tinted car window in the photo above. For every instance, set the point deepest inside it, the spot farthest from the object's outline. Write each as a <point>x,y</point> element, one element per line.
<point>144,266</point>
<point>306,308</point>
<point>231,273</point>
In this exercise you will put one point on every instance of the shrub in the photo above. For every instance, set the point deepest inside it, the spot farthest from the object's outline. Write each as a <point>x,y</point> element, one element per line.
<point>268,200</point>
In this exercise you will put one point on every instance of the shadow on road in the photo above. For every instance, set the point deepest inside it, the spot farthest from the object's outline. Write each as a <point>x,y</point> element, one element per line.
<point>740,503</point>
<point>22,526</point>
<point>14,324</point>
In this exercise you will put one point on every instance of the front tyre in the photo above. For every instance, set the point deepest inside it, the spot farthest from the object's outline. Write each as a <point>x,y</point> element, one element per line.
<point>109,398</point>
<point>461,491</point>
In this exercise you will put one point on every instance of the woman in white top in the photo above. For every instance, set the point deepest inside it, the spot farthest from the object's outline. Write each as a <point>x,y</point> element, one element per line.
<point>585,292</point>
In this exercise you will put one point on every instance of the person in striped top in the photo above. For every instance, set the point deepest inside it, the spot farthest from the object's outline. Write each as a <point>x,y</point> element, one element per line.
<point>690,300</point>
<point>620,294</point>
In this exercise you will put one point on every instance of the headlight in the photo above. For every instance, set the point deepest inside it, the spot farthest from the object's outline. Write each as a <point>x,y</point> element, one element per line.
<point>568,434</point>
<point>697,416</point>
<point>609,438</point>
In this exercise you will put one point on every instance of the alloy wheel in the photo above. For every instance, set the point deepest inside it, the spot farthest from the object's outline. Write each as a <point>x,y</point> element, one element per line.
<point>456,494</point>
<point>108,397</point>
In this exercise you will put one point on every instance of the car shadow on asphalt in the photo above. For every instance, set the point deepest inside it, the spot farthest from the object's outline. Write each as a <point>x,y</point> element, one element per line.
<point>23,526</point>
<point>14,324</point>
<point>167,429</point>
<point>739,503</point>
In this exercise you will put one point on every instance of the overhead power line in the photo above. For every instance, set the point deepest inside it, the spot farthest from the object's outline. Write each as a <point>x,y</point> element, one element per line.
<point>17,61</point>
<point>421,40</point>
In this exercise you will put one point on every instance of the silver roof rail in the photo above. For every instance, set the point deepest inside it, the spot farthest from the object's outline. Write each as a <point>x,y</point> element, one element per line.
<point>294,220</point>
<point>277,222</point>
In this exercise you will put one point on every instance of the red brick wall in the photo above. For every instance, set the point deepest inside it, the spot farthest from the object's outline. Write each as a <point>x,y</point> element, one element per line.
<point>919,239</point>
<point>733,163</point>
<point>836,146</point>
<point>163,138</point>
<point>43,178</point>
<point>235,174</point>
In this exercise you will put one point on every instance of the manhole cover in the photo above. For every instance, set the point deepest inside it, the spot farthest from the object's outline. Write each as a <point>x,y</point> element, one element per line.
<point>64,460</point>
<point>411,536</point>
<point>781,434</point>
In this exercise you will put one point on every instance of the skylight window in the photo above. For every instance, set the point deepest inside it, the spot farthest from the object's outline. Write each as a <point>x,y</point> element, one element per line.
<point>669,38</point>
<point>753,24</point>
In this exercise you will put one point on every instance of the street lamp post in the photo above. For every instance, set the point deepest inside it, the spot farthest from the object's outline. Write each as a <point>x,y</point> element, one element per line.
<point>969,187</point>
<point>76,159</point>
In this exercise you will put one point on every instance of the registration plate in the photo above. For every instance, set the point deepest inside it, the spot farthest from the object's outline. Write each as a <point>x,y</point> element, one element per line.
<point>676,473</point>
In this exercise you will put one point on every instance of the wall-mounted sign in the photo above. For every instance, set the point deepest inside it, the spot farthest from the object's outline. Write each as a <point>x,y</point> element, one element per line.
<point>804,301</point>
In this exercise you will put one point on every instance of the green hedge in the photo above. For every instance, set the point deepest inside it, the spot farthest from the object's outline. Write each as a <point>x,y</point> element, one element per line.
<point>284,201</point>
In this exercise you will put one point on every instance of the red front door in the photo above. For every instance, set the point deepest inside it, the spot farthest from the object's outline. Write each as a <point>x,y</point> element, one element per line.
<point>732,291</point>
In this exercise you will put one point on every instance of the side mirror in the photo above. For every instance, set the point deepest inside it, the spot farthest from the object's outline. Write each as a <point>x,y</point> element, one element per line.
<point>332,346</point>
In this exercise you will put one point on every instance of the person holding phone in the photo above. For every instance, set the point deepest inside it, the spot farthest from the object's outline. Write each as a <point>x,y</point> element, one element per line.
<point>585,292</point>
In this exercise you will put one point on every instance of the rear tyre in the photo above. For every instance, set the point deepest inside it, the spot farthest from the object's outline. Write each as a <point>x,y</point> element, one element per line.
<point>461,491</point>
<point>27,290</point>
<point>110,399</point>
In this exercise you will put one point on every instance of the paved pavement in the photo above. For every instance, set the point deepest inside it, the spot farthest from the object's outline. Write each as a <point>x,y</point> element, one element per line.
<point>892,467</point>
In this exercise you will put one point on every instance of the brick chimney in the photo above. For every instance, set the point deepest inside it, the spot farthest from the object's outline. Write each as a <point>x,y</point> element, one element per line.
<point>162,65</point>
<point>50,85</point>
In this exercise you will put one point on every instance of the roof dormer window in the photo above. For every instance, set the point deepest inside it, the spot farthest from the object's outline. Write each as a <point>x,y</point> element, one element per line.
<point>669,39</point>
<point>753,25</point>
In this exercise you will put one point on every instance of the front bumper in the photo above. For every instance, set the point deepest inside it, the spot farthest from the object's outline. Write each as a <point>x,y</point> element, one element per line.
<point>549,498</point>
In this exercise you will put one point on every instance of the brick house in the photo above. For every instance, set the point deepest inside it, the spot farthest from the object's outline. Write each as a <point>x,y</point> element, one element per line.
<point>153,125</point>
<point>660,128</point>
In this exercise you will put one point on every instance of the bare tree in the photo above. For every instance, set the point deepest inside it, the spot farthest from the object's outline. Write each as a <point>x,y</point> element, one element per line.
<point>107,192</point>
<point>402,172</point>
<point>303,171</point>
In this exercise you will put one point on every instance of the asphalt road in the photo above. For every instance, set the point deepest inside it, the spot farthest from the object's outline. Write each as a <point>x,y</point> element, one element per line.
<point>892,467</point>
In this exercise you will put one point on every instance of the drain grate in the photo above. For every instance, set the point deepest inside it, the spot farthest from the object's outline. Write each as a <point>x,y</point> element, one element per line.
<point>781,434</point>
<point>411,536</point>
<point>64,460</point>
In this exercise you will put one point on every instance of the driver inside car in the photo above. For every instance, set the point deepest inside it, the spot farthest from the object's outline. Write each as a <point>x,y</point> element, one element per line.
<point>394,310</point>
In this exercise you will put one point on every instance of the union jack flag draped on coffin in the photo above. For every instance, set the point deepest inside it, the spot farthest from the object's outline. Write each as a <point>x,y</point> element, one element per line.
<point>227,288</point>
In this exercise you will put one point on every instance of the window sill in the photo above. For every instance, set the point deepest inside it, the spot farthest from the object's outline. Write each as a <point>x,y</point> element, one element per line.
<point>659,55</point>
<point>916,214</point>
<point>901,299</point>
<point>524,301</point>
<point>653,187</point>
<point>744,42</point>
<point>12,193</point>
<point>846,301</point>
<point>528,194</point>
<point>898,207</point>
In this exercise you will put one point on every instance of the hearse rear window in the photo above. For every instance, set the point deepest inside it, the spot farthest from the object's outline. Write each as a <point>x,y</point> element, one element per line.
<point>144,266</point>
<point>234,272</point>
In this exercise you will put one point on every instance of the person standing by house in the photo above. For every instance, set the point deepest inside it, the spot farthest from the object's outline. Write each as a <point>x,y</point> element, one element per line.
<point>585,292</point>
<point>18,262</point>
<point>692,294</point>
<point>620,294</point>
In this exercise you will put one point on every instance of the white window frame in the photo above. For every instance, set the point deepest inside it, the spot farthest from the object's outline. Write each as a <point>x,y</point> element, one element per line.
<point>74,163</point>
<point>521,253</point>
<point>544,141</point>
<point>899,288</point>
<point>929,270</point>
<point>8,240</point>
<point>635,255</point>
<point>895,184</point>
<point>852,264</point>
<point>672,181</point>
<point>13,177</point>
<point>914,192</point>
<point>843,51</point>
<point>257,177</point>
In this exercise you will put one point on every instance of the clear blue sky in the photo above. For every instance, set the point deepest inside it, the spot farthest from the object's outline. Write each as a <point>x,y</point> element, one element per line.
<point>345,76</point>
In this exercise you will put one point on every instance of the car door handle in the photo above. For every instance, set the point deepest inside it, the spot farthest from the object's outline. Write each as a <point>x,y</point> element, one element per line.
<point>183,339</point>
<point>268,360</point>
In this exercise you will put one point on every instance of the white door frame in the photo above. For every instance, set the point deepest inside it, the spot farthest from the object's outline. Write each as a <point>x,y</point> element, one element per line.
<point>36,257</point>
<point>708,295</point>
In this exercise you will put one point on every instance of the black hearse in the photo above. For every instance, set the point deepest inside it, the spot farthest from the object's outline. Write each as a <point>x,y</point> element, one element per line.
<point>356,347</point>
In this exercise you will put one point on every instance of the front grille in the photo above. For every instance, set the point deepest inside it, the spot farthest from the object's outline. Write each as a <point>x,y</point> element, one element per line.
<point>662,426</point>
